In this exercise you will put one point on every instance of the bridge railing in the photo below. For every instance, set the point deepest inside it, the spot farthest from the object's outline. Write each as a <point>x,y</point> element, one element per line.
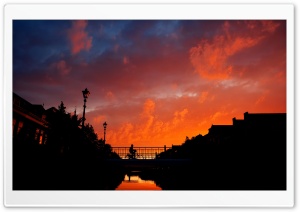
<point>141,152</point>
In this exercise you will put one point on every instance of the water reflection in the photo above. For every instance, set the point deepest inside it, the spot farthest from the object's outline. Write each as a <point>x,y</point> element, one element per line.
<point>133,182</point>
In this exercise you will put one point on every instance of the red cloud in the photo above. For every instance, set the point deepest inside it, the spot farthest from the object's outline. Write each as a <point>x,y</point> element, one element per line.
<point>210,58</point>
<point>63,68</point>
<point>79,38</point>
<point>125,60</point>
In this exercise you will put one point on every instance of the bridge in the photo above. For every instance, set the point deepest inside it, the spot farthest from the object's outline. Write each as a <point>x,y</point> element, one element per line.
<point>146,158</point>
<point>144,153</point>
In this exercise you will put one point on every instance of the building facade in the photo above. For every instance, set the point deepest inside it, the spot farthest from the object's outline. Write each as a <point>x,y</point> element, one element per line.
<point>29,122</point>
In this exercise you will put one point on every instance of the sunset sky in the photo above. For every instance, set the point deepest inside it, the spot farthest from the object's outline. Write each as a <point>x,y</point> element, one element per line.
<point>154,82</point>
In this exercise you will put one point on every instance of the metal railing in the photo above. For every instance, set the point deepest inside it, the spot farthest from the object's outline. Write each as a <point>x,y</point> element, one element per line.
<point>141,152</point>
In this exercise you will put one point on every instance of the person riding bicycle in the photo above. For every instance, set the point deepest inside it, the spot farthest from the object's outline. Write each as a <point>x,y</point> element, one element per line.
<point>132,151</point>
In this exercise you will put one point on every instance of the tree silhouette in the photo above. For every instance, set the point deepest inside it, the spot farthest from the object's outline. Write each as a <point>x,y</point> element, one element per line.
<point>62,108</point>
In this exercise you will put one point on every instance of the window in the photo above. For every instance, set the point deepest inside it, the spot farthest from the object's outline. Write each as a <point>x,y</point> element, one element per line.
<point>20,125</point>
<point>41,137</point>
<point>37,132</point>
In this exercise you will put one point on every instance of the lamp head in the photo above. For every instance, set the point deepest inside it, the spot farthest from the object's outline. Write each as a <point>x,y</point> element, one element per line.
<point>104,124</point>
<point>85,93</point>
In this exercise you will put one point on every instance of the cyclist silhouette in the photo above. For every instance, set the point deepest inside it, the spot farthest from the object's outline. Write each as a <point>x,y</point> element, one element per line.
<point>132,152</point>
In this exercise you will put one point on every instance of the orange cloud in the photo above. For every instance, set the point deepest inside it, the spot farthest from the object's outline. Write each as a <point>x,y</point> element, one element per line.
<point>148,118</point>
<point>210,58</point>
<point>149,107</point>
<point>218,116</point>
<point>262,98</point>
<point>98,120</point>
<point>179,116</point>
<point>149,130</point>
<point>203,97</point>
<point>79,37</point>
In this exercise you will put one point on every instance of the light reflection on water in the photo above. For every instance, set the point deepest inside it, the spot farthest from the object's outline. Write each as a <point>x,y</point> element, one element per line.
<point>134,182</point>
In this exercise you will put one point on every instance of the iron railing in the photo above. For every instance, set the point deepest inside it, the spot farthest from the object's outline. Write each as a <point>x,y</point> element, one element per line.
<point>141,152</point>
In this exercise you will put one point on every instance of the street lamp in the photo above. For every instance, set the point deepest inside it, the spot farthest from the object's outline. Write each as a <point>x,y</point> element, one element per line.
<point>85,94</point>
<point>104,125</point>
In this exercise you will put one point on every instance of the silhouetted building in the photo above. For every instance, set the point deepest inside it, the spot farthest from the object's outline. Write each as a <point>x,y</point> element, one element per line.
<point>261,128</point>
<point>29,124</point>
<point>220,133</point>
<point>265,122</point>
<point>253,151</point>
<point>254,127</point>
<point>51,110</point>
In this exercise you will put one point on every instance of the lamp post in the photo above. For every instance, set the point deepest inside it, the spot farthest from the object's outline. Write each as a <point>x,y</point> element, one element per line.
<point>85,94</point>
<point>104,126</point>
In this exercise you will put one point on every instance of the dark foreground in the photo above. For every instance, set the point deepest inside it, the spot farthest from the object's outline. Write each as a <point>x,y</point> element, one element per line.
<point>223,168</point>
<point>39,170</point>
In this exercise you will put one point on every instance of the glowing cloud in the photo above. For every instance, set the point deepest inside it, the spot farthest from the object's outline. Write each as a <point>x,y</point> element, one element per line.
<point>203,96</point>
<point>79,37</point>
<point>210,58</point>
<point>149,128</point>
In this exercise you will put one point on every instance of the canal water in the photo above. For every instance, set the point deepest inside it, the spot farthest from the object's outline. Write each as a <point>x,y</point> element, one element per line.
<point>134,182</point>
